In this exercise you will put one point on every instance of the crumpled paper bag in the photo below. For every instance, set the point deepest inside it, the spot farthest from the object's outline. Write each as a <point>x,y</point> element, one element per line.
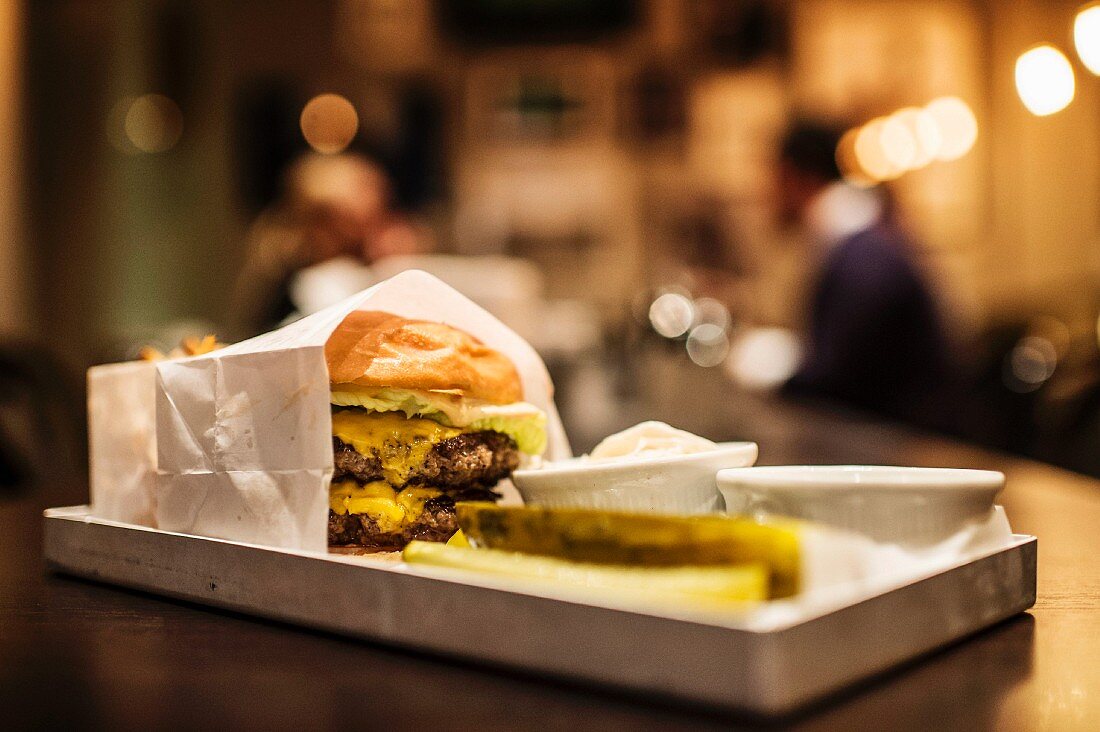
<point>244,434</point>
<point>122,447</point>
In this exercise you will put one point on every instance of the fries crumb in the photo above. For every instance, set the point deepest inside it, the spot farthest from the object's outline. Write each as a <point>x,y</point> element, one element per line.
<point>190,346</point>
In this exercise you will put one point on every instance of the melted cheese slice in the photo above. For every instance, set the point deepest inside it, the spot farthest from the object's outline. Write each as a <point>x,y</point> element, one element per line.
<point>523,422</point>
<point>400,443</point>
<point>391,510</point>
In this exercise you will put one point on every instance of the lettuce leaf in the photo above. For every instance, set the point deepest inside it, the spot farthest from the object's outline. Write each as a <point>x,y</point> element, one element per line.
<point>392,400</point>
<point>529,431</point>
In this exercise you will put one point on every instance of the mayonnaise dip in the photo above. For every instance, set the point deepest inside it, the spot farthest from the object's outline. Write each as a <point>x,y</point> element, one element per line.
<point>649,440</point>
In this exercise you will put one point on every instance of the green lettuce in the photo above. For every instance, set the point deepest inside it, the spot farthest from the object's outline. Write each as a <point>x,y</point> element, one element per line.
<point>528,430</point>
<point>392,400</point>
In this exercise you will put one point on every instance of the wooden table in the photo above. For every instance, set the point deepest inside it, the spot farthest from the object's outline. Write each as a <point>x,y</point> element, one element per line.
<point>73,652</point>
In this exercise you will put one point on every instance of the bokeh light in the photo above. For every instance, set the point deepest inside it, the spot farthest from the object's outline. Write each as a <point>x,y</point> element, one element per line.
<point>909,139</point>
<point>898,143</point>
<point>1044,80</point>
<point>764,358</point>
<point>709,310</point>
<point>671,314</point>
<point>871,154</point>
<point>152,123</point>
<point>1053,330</point>
<point>924,130</point>
<point>848,163</point>
<point>1030,364</point>
<point>1086,36</point>
<point>708,345</point>
<point>957,126</point>
<point>329,123</point>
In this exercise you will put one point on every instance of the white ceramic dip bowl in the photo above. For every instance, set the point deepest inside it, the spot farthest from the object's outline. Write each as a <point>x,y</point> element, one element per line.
<point>682,484</point>
<point>914,507</point>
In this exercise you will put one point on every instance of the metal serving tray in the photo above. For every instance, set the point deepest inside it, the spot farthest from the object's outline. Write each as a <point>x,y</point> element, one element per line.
<point>728,661</point>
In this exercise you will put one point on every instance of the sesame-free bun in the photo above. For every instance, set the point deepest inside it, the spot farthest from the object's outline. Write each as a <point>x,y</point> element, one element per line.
<point>373,349</point>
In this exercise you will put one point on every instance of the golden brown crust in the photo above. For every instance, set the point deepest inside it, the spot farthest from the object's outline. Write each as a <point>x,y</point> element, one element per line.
<point>373,349</point>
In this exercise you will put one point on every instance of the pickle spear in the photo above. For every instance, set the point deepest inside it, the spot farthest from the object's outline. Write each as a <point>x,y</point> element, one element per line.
<point>716,585</point>
<point>649,540</point>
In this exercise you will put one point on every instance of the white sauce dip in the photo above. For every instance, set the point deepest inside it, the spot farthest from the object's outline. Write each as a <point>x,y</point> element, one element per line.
<point>649,440</point>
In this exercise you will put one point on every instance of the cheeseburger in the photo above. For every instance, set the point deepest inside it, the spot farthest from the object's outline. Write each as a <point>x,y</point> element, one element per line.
<point>423,415</point>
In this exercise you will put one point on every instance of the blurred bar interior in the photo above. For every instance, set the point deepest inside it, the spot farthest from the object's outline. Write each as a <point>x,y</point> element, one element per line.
<point>605,176</point>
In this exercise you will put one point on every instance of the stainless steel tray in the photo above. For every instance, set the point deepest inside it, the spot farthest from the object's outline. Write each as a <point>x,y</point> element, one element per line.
<point>730,661</point>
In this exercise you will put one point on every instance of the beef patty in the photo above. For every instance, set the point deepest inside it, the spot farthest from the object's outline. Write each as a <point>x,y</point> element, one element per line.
<point>437,523</point>
<point>472,459</point>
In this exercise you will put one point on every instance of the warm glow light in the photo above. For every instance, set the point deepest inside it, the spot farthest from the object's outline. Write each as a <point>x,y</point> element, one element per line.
<point>898,143</point>
<point>925,132</point>
<point>1086,36</point>
<point>1044,80</point>
<point>956,124</point>
<point>871,154</point>
<point>908,139</point>
<point>153,123</point>
<point>848,163</point>
<point>329,123</point>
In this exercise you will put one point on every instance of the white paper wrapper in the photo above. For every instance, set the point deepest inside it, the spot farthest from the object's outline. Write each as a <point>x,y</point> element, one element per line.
<point>244,434</point>
<point>122,448</point>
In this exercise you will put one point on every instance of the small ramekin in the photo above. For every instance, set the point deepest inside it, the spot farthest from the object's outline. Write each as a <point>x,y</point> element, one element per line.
<point>914,507</point>
<point>681,484</point>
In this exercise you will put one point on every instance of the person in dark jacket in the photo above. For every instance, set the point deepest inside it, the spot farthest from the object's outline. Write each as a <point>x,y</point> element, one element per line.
<point>876,339</point>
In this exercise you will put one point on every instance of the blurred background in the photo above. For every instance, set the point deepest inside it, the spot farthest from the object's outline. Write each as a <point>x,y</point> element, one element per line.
<point>701,211</point>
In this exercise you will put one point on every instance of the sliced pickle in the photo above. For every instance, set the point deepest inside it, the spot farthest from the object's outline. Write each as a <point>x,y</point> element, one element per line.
<point>718,584</point>
<point>650,540</point>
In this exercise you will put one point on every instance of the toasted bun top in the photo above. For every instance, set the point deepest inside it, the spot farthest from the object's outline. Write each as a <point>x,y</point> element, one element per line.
<point>373,349</point>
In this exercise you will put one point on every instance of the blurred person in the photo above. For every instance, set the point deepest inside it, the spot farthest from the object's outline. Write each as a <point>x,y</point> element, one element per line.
<point>875,337</point>
<point>335,209</point>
